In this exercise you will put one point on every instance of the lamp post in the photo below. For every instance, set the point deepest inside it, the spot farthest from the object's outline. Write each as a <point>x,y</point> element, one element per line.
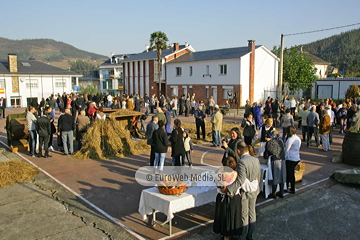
<point>281,66</point>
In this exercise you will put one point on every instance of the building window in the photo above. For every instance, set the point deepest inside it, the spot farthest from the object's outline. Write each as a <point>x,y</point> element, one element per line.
<point>223,69</point>
<point>227,92</point>
<point>60,83</point>
<point>190,70</point>
<point>109,84</point>
<point>178,71</point>
<point>207,70</point>
<point>2,83</point>
<point>207,92</point>
<point>31,83</point>
<point>174,91</point>
<point>104,84</point>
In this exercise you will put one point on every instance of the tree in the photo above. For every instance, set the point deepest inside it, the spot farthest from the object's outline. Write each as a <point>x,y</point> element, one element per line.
<point>353,91</point>
<point>89,89</point>
<point>158,42</point>
<point>298,70</point>
<point>82,67</point>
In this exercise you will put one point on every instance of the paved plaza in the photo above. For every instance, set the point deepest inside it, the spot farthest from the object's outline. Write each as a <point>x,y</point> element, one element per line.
<point>110,188</point>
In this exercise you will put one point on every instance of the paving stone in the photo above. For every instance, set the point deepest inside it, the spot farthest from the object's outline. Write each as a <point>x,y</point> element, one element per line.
<point>347,176</point>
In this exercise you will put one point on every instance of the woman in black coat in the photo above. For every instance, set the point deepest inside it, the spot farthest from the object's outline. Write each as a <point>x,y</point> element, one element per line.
<point>231,145</point>
<point>160,143</point>
<point>249,128</point>
<point>177,143</point>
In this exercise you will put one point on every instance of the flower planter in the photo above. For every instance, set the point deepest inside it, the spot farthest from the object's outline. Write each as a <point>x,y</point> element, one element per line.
<point>351,149</point>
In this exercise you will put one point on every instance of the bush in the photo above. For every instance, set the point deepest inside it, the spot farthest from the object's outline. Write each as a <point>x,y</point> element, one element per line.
<point>353,91</point>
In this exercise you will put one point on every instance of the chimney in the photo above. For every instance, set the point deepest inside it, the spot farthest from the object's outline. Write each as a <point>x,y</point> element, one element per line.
<point>176,47</point>
<point>186,44</point>
<point>147,48</point>
<point>12,58</point>
<point>251,49</point>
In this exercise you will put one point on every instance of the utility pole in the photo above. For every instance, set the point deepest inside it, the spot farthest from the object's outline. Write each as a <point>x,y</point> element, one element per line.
<point>280,78</point>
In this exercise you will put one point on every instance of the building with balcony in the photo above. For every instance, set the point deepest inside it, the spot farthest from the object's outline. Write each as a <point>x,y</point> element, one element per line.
<point>111,75</point>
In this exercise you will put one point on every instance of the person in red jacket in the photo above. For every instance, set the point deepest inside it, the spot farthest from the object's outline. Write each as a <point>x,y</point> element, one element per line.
<point>92,111</point>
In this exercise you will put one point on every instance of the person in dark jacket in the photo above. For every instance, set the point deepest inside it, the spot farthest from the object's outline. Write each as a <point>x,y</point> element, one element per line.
<point>66,126</point>
<point>43,128</point>
<point>177,143</point>
<point>199,121</point>
<point>150,128</point>
<point>249,128</point>
<point>187,107</point>
<point>168,119</point>
<point>161,143</point>
<point>182,104</point>
<point>230,146</point>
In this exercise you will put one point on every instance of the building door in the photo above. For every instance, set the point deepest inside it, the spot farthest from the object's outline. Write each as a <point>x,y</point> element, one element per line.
<point>185,91</point>
<point>214,94</point>
<point>324,91</point>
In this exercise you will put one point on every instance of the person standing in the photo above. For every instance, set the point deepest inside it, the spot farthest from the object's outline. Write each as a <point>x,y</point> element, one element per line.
<point>211,104</point>
<point>216,121</point>
<point>161,143</point>
<point>150,128</point>
<point>31,124</point>
<point>188,147</point>
<point>303,115</point>
<point>177,143</point>
<point>257,114</point>
<point>200,121</point>
<point>247,168</point>
<point>292,157</point>
<point>168,119</point>
<point>324,130</point>
<point>230,147</point>
<point>51,103</point>
<point>43,128</point>
<point>264,135</point>
<point>144,116</point>
<point>66,128</point>
<point>83,123</point>
<point>187,106</point>
<point>182,104</point>
<point>286,121</point>
<point>174,106</point>
<point>312,121</point>
<point>248,107</point>
<point>249,128</point>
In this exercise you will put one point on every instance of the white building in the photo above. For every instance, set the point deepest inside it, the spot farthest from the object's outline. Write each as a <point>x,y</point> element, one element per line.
<point>320,65</point>
<point>22,81</point>
<point>249,72</point>
<point>111,75</point>
<point>334,88</point>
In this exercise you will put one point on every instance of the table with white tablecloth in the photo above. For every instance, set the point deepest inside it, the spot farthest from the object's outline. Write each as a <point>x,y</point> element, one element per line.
<point>152,201</point>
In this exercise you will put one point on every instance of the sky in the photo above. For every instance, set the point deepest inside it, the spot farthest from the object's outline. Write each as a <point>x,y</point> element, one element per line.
<point>118,27</point>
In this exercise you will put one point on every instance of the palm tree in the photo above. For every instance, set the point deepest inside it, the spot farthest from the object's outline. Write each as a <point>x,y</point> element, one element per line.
<point>158,42</point>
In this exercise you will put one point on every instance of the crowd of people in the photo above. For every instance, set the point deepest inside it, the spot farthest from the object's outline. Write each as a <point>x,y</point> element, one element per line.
<point>235,203</point>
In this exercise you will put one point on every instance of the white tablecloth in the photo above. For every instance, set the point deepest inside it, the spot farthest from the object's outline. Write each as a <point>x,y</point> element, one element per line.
<point>151,199</point>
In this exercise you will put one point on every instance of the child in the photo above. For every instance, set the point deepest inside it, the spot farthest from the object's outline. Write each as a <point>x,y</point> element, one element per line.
<point>188,147</point>
<point>228,209</point>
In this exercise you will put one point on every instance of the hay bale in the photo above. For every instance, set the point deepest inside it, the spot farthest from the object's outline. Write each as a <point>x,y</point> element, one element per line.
<point>108,139</point>
<point>16,172</point>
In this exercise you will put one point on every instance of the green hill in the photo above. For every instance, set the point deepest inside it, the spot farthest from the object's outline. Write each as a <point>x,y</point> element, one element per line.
<point>44,50</point>
<point>342,50</point>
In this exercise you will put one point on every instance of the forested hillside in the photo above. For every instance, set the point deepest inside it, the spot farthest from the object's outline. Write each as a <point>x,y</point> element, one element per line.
<point>43,49</point>
<point>343,51</point>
